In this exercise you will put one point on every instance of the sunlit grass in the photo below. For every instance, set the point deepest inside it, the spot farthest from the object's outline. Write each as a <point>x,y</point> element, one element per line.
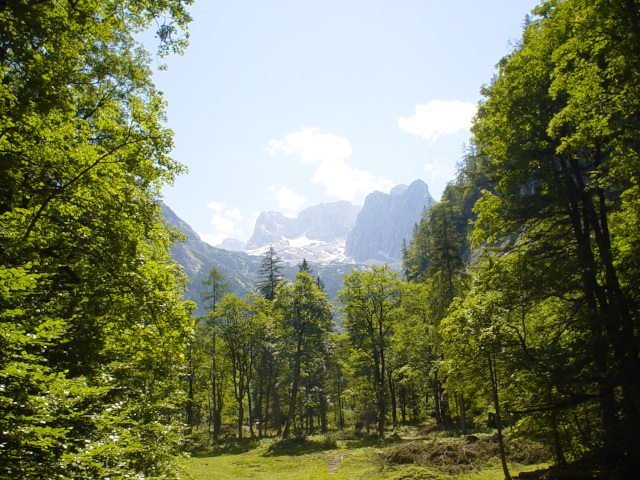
<point>350,460</point>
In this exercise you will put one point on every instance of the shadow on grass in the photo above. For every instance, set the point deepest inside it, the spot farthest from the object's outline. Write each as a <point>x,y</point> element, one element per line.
<point>372,441</point>
<point>291,446</point>
<point>229,447</point>
<point>300,446</point>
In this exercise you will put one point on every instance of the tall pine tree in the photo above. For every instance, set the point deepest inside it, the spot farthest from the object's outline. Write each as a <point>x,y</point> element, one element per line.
<point>269,274</point>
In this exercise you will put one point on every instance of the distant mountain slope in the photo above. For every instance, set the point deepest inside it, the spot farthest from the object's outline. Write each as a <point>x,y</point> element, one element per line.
<point>333,237</point>
<point>385,221</point>
<point>239,268</point>
<point>198,257</point>
<point>326,222</point>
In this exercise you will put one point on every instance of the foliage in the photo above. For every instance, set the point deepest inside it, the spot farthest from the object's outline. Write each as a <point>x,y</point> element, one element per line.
<point>91,322</point>
<point>372,308</point>
<point>520,309</point>
<point>555,129</point>
<point>269,274</point>
<point>215,287</point>
<point>305,321</point>
<point>549,315</point>
<point>242,326</point>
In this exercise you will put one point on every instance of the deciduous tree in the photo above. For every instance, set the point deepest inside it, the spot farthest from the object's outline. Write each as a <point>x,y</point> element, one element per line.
<point>372,306</point>
<point>91,322</point>
<point>305,319</point>
<point>556,130</point>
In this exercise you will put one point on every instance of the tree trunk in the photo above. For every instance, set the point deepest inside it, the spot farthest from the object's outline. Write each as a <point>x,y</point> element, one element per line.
<point>463,419</point>
<point>214,390</point>
<point>403,405</point>
<point>446,411</point>
<point>394,403</point>
<point>323,412</point>
<point>340,406</point>
<point>557,445</point>
<point>250,408</point>
<point>259,401</point>
<point>217,418</point>
<point>493,374</point>
<point>381,407</point>
<point>379,374</point>
<point>277,423</point>
<point>240,417</point>
<point>190,401</point>
<point>294,388</point>
<point>436,400</point>
<point>268,397</point>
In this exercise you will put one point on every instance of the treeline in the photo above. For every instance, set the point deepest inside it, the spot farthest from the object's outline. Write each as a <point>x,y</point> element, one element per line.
<point>518,304</point>
<point>276,363</point>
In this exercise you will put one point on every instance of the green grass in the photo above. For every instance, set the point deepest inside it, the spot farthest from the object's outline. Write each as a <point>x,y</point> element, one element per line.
<point>357,460</point>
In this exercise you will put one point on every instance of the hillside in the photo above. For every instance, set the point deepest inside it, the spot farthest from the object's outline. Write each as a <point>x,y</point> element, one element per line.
<point>240,268</point>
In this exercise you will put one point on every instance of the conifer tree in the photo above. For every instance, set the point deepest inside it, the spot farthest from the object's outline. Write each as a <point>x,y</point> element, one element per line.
<point>305,267</point>
<point>269,274</point>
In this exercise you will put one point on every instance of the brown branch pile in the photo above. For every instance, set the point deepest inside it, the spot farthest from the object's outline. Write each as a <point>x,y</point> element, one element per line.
<point>462,455</point>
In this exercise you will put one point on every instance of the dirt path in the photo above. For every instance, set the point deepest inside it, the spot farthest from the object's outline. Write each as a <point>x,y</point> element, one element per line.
<point>334,463</point>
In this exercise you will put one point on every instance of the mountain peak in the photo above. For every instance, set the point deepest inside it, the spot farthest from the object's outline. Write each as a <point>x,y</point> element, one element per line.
<point>385,221</point>
<point>340,231</point>
<point>398,190</point>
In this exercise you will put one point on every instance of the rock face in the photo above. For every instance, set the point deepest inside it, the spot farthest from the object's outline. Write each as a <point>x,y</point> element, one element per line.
<point>385,221</point>
<point>341,232</point>
<point>317,234</point>
<point>326,222</point>
<point>333,237</point>
<point>232,245</point>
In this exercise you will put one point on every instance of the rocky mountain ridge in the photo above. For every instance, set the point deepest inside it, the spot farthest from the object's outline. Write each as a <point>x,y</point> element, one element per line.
<point>386,221</point>
<point>339,232</point>
<point>333,237</point>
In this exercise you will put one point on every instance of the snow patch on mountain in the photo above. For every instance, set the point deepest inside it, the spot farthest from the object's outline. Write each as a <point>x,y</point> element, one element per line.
<point>302,242</point>
<point>339,232</point>
<point>293,250</point>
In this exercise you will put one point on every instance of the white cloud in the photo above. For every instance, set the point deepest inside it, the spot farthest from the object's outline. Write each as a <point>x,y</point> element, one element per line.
<point>438,118</point>
<point>224,222</point>
<point>212,239</point>
<point>235,213</point>
<point>330,152</point>
<point>215,206</point>
<point>288,200</point>
<point>313,146</point>
<point>439,169</point>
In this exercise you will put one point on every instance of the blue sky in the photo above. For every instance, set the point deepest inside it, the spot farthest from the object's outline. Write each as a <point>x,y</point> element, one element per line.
<point>281,105</point>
